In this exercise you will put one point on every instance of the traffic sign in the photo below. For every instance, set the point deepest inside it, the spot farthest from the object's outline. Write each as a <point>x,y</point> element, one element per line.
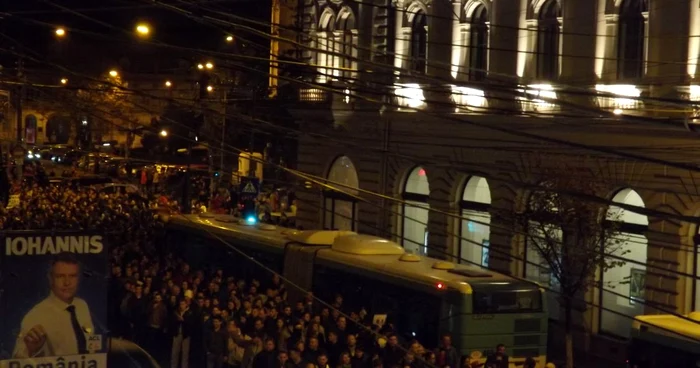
<point>18,151</point>
<point>250,186</point>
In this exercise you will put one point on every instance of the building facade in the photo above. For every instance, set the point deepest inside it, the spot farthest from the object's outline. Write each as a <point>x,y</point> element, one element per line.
<point>438,114</point>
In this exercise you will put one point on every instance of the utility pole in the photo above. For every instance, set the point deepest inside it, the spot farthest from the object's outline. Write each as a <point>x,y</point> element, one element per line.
<point>274,48</point>
<point>20,97</point>
<point>18,105</point>
<point>223,134</point>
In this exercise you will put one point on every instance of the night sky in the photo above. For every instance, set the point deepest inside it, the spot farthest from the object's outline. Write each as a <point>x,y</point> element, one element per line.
<point>28,27</point>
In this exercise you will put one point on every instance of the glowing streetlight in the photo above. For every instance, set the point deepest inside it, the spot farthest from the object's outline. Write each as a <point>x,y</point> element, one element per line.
<point>617,111</point>
<point>209,65</point>
<point>229,38</point>
<point>60,32</point>
<point>64,80</point>
<point>113,73</point>
<point>143,29</point>
<point>210,88</point>
<point>200,66</point>
<point>168,84</point>
<point>163,133</point>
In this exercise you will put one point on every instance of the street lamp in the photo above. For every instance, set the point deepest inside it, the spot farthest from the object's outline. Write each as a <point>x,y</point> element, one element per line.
<point>168,84</point>
<point>200,66</point>
<point>163,133</point>
<point>209,65</point>
<point>64,80</point>
<point>60,32</point>
<point>210,88</point>
<point>113,73</point>
<point>229,38</point>
<point>142,29</point>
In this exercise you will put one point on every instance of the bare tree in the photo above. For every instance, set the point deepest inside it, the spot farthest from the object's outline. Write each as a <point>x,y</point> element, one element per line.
<point>572,236</point>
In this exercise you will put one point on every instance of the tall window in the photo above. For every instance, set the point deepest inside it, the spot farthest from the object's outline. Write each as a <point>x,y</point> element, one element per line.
<point>414,229</point>
<point>339,207</point>
<point>548,40</point>
<point>326,46</point>
<point>630,46</point>
<point>419,42</point>
<point>623,286</point>
<point>475,231</point>
<point>347,42</point>
<point>478,44</point>
<point>539,229</point>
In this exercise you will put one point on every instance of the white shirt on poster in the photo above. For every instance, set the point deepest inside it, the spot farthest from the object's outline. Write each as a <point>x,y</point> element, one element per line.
<point>52,315</point>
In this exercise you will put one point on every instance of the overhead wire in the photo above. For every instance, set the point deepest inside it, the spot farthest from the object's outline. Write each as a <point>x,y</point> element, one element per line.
<point>661,309</point>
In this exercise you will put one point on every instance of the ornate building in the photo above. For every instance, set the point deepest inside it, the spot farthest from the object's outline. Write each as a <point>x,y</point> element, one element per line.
<point>443,105</point>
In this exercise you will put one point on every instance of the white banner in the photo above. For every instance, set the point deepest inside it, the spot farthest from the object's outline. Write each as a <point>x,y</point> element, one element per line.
<point>70,361</point>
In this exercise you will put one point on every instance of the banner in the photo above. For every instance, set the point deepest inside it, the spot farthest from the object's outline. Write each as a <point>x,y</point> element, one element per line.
<point>54,299</point>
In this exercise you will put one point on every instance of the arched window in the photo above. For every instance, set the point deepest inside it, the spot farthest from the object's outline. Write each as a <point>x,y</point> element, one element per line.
<point>419,42</point>
<point>30,129</point>
<point>478,44</point>
<point>340,208</point>
<point>630,41</point>
<point>347,40</point>
<point>414,229</point>
<point>541,235</point>
<point>326,46</point>
<point>475,231</point>
<point>629,278</point>
<point>548,40</point>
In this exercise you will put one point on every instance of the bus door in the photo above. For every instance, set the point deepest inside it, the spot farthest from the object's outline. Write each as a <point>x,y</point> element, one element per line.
<point>299,268</point>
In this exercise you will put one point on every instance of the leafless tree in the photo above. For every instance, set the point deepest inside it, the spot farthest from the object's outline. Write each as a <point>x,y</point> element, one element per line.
<point>572,233</point>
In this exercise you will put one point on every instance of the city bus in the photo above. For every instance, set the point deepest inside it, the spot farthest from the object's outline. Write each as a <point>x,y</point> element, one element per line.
<point>665,341</point>
<point>421,297</point>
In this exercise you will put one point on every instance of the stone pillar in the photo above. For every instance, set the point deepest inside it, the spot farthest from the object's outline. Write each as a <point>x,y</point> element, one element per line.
<point>503,52</point>
<point>667,47</point>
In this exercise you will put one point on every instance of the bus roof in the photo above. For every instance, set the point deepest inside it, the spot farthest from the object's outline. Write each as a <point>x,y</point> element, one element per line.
<point>669,325</point>
<point>361,254</point>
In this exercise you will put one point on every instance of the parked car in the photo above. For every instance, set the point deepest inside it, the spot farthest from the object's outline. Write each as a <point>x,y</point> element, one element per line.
<point>69,157</point>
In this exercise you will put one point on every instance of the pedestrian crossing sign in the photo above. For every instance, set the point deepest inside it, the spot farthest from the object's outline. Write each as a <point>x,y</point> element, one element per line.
<point>250,188</point>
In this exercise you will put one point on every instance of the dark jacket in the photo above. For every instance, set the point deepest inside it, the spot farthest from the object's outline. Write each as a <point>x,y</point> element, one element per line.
<point>493,361</point>
<point>447,357</point>
<point>187,324</point>
<point>266,359</point>
<point>392,356</point>
<point>216,342</point>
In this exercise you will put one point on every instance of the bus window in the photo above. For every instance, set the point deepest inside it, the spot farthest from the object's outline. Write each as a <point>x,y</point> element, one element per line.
<point>413,313</point>
<point>507,301</point>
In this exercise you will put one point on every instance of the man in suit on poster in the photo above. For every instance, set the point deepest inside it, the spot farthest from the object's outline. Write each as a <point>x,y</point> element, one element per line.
<point>61,323</point>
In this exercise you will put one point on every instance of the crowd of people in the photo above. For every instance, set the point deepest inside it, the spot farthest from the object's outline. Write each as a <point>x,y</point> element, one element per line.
<point>212,317</point>
<point>215,318</point>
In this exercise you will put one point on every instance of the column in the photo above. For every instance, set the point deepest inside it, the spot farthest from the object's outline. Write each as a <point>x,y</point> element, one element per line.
<point>668,31</point>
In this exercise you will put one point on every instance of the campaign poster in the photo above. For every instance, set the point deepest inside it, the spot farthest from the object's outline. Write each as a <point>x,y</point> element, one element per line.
<point>53,299</point>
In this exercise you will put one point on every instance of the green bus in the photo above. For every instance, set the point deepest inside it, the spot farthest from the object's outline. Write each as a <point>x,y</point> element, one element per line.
<point>660,341</point>
<point>421,297</point>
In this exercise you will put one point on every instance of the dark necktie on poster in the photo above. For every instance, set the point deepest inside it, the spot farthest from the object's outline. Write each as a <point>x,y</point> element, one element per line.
<point>79,335</point>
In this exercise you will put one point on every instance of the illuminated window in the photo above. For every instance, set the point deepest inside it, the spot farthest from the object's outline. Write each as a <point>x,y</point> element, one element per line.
<point>419,42</point>
<point>326,45</point>
<point>542,237</point>
<point>478,44</point>
<point>340,207</point>
<point>625,284</point>
<point>475,232</point>
<point>630,46</point>
<point>414,229</point>
<point>347,40</point>
<point>548,35</point>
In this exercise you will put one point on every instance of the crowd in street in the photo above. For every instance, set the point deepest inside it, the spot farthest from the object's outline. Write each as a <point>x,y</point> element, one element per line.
<point>38,204</point>
<point>215,318</point>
